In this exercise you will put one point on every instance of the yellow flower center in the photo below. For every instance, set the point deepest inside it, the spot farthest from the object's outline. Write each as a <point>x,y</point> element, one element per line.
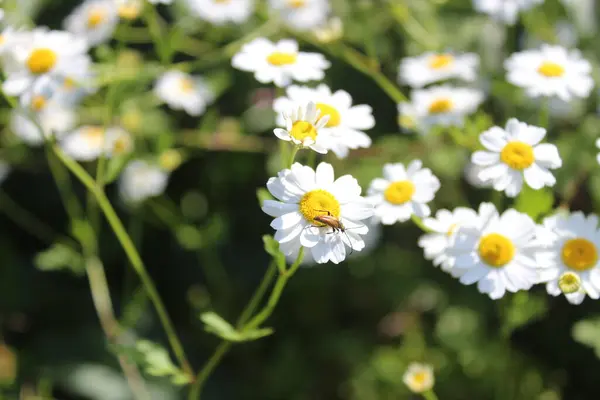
<point>406,121</point>
<point>496,250</point>
<point>38,103</point>
<point>302,130</point>
<point>41,61</point>
<point>121,145</point>
<point>579,254</point>
<point>186,85</point>
<point>129,11</point>
<point>222,1</point>
<point>94,136</point>
<point>569,283</point>
<point>451,230</point>
<point>95,17</point>
<point>441,106</point>
<point>296,3</point>
<point>319,202</point>
<point>334,115</point>
<point>551,70</point>
<point>69,84</point>
<point>1,39</point>
<point>517,155</point>
<point>419,377</point>
<point>278,59</point>
<point>440,61</point>
<point>399,192</point>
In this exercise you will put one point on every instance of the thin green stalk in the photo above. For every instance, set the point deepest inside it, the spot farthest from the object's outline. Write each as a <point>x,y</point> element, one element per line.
<point>196,389</point>
<point>63,183</point>
<point>258,294</point>
<point>430,395</point>
<point>293,155</point>
<point>130,251</point>
<point>152,19</point>
<point>419,222</point>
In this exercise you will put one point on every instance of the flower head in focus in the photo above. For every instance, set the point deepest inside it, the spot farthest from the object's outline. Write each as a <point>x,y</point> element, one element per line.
<point>219,12</point>
<point>403,192</point>
<point>87,143</point>
<point>346,122</point>
<point>280,62</point>
<point>94,20</point>
<point>141,180</point>
<point>304,127</point>
<point>434,67</point>
<point>505,11</point>
<point>304,194</point>
<point>514,155</point>
<point>302,14</point>
<point>550,71</point>
<point>419,377</point>
<point>183,91</point>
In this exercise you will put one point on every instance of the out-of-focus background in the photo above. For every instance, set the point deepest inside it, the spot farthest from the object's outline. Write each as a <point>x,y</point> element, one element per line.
<point>344,331</point>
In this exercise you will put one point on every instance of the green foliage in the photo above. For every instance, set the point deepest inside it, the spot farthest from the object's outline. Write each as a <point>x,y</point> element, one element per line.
<point>60,257</point>
<point>157,362</point>
<point>216,325</point>
<point>587,332</point>
<point>272,248</point>
<point>535,203</point>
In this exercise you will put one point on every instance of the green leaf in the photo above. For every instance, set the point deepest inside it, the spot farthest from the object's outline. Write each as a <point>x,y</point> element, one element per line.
<point>263,194</point>
<point>216,325</point>
<point>272,248</point>
<point>534,203</point>
<point>587,332</point>
<point>157,362</point>
<point>59,256</point>
<point>522,308</point>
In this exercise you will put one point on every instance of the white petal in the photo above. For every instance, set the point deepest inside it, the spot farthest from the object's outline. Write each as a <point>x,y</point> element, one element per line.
<point>276,208</point>
<point>286,221</point>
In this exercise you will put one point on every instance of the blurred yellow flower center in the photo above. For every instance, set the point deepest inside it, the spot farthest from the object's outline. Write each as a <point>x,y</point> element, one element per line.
<point>38,103</point>
<point>186,85</point>
<point>406,121</point>
<point>569,283</point>
<point>1,39</point>
<point>319,202</point>
<point>121,145</point>
<point>296,3</point>
<point>94,136</point>
<point>41,61</point>
<point>440,61</point>
<point>399,192</point>
<point>277,58</point>
<point>551,70</point>
<point>302,130</point>
<point>517,155</point>
<point>221,1</point>
<point>579,254</point>
<point>451,230</point>
<point>170,160</point>
<point>419,378</point>
<point>496,250</point>
<point>129,11</point>
<point>441,106</point>
<point>334,115</point>
<point>69,84</point>
<point>96,17</point>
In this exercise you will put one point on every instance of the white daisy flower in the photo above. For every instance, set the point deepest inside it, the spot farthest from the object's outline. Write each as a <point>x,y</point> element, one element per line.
<point>550,71</point>
<point>93,20</point>
<point>598,146</point>
<point>302,14</point>
<point>45,52</point>
<point>504,10</point>
<point>496,251</point>
<point>129,9</point>
<point>434,67</point>
<point>443,228</point>
<point>419,377</point>
<point>219,12</point>
<point>408,120</point>
<point>403,192</point>
<point>515,155</point>
<point>304,127</point>
<point>54,119</point>
<point>182,91</point>
<point>303,196</point>
<point>329,31</point>
<point>471,174</point>
<point>570,256</point>
<point>87,143</point>
<point>279,62</point>
<point>346,122</point>
<point>445,105</point>
<point>141,180</point>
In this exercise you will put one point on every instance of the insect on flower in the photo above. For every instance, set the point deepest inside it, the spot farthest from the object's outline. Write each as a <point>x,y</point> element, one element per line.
<point>334,223</point>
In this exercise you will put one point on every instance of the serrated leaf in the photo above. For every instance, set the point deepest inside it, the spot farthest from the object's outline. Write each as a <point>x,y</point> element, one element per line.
<point>59,256</point>
<point>215,324</point>
<point>534,203</point>
<point>272,248</point>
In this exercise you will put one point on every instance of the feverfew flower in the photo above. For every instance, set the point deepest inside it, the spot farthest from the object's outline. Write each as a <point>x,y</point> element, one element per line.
<point>279,62</point>
<point>346,122</point>
<point>515,154</point>
<point>443,228</point>
<point>471,174</point>
<point>444,105</point>
<point>44,52</point>
<point>403,192</point>
<point>304,194</point>
<point>571,245</point>
<point>434,67</point>
<point>219,12</point>
<point>93,20</point>
<point>54,120</point>
<point>504,10</point>
<point>550,71</point>
<point>87,143</point>
<point>419,377</point>
<point>304,127</point>
<point>302,14</point>
<point>408,119</point>
<point>141,180</point>
<point>598,146</point>
<point>129,9</point>
<point>183,91</point>
<point>496,251</point>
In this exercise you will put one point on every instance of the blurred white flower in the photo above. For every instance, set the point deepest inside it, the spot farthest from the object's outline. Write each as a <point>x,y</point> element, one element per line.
<point>141,180</point>
<point>471,174</point>
<point>571,246</point>
<point>329,31</point>
<point>304,127</point>
<point>182,91</point>
<point>302,14</point>
<point>598,146</point>
<point>346,122</point>
<point>444,105</point>
<point>219,12</point>
<point>550,71</point>
<point>93,20</point>
<point>129,9</point>
<point>279,62</point>
<point>434,67</point>
<point>515,155</point>
<point>505,11</point>
<point>419,377</point>
<point>88,142</point>
<point>160,1</point>
<point>496,251</point>
<point>408,120</point>
<point>54,119</point>
<point>403,192</point>
<point>304,194</point>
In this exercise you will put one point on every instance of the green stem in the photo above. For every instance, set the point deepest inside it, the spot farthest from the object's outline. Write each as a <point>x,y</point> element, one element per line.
<point>430,395</point>
<point>211,364</point>
<point>419,222</point>
<point>293,155</point>
<point>130,251</point>
<point>153,21</point>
